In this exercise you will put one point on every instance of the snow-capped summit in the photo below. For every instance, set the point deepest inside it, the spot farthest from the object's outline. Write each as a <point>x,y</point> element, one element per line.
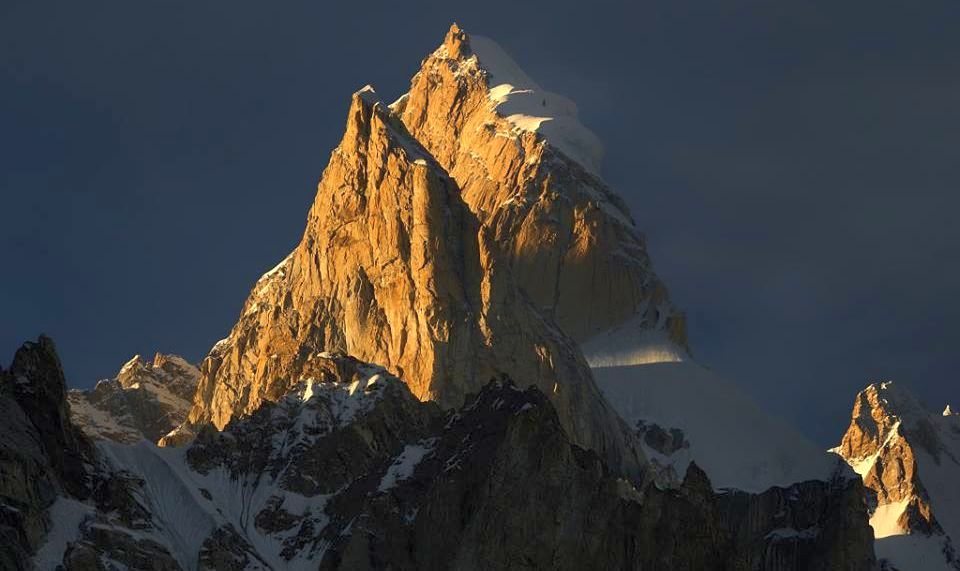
<point>909,456</point>
<point>531,108</point>
<point>515,96</point>
<point>949,411</point>
<point>572,242</point>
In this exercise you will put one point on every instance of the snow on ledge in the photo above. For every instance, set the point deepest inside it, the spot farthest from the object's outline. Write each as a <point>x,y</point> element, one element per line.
<point>631,343</point>
<point>526,105</point>
<point>66,515</point>
<point>403,466</point>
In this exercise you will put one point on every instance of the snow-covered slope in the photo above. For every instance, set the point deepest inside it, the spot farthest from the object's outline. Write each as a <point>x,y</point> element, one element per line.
<point>909,456</point>
<point>913,552</point>
<point>723,430</point>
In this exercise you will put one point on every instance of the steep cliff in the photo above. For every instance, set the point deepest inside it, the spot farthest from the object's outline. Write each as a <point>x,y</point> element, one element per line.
<point>528,170</point>
<point>42,455</point>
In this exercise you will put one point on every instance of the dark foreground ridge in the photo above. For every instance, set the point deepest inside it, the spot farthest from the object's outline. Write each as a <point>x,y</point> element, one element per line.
<point>350,471</point>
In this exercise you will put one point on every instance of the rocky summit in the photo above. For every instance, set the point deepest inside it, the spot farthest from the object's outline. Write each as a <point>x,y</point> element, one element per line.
<point>467,362</point>
<point>44,458</point>
<point>146,400</point>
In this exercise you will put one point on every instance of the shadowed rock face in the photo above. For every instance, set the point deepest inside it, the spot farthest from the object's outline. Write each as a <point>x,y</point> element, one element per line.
<point>397,267</point>
<point>351,471</point>
<point>41,454</point>
<point>571,512</point>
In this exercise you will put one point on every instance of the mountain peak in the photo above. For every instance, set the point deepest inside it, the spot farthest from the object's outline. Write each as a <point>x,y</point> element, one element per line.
<point>527,169</point>
<point>145,400</point>
<point>882,404</point>
<point>514,96</point>
<point>367,94</point>
<point>456,41</point>
<point>425,252</point>
<point>134,364</point>
<point>909,457</point>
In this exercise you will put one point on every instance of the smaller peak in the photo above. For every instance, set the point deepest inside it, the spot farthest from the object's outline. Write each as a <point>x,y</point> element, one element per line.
<point>104,384</point>
<point>895,399</point>
<point>135,361</point>
<point>366,101</point>
<point>46,342</point>
<point>367,94</point>
<point>883,386</point>
<point>950,412</point>
<point>457,42</point>
<point>43,343</point>
<point>161,359</point>
<point>886,388</point>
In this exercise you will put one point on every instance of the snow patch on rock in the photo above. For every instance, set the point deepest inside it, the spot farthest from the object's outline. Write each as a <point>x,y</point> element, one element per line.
<point>67,516</point>
<point>403,467</point>
<point>884,520</point>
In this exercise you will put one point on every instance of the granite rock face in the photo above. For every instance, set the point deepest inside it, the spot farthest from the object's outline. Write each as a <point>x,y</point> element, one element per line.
<point>569,239</point>
<point>146,400</point>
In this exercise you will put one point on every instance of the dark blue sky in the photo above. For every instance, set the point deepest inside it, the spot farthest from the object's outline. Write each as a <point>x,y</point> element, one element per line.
<point>794,165</point>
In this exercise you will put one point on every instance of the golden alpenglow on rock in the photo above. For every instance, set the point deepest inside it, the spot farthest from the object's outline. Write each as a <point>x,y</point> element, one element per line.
<point>909,458</point>
<point>451,244</point>
<point>524,164</point>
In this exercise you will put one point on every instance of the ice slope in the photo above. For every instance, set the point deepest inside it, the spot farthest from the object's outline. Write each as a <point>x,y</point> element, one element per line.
<point>940,475</point>
<point>182,518</point>
<point>916,552</point>
<point>731,438</point>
